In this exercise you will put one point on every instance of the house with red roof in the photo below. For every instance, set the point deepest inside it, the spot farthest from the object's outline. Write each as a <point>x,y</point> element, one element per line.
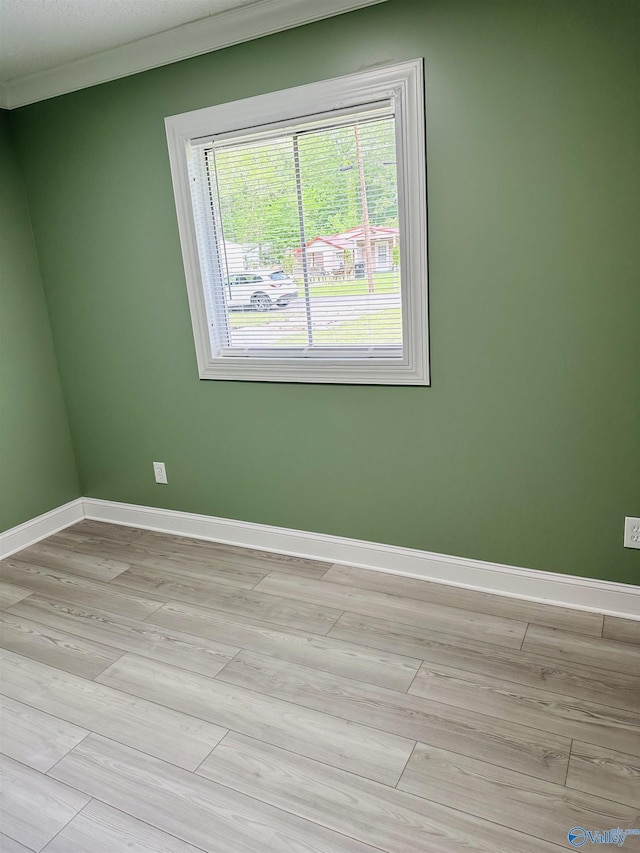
<point>339,254</point>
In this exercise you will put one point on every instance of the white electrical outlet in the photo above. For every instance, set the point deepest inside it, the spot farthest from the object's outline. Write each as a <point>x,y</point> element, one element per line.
<point>160,472</point>
<point>632,533</point>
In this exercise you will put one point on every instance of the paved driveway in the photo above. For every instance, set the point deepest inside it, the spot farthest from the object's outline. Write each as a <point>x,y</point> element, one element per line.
<point>327,311</point>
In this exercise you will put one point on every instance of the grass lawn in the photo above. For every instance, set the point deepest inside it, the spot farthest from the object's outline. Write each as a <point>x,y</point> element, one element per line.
<point>256,318</point>
<point>384,282</point>
<point>382,327</point>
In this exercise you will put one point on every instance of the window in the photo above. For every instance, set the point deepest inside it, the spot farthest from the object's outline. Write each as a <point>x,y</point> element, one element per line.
<point>382,255</point>
<point>302,218</point>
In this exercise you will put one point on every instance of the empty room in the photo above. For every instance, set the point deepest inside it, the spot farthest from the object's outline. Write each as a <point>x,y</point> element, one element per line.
<point>319,426</point>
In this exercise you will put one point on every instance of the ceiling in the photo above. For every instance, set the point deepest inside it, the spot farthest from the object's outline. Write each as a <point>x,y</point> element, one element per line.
<point>51,47</point>
<point>36,35</point>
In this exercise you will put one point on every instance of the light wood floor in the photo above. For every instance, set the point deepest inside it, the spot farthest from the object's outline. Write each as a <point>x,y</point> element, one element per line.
<point>165,695</point>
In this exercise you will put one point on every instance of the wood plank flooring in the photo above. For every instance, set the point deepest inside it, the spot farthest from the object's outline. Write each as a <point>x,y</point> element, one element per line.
<point>169,695</point>
<point>34,806</point>
<point>10,594</point>
<point>467,599</point>
<point>626,630</point>
<point>35,738</point>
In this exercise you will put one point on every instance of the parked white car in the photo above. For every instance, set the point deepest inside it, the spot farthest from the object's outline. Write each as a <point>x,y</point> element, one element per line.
<point>260,289</point>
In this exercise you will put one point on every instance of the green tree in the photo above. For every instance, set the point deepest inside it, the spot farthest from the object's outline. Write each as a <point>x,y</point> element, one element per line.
<point>255,186</point>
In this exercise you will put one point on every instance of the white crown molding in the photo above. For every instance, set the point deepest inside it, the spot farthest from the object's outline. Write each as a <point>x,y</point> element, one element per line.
<point>38,528</point>
<point>615,599</point>
<point>193,39</point>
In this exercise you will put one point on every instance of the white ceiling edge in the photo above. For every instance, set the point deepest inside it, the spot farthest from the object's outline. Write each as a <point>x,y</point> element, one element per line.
<point>193,39</point>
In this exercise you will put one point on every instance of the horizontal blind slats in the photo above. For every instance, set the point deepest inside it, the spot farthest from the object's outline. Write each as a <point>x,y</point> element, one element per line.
<point>329,119</point>
<point>349,302</point>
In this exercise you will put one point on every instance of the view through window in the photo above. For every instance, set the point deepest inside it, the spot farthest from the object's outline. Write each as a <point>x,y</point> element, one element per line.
<point>306,238</point>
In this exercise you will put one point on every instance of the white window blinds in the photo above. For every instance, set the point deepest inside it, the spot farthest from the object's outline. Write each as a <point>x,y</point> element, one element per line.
<point>299,237</point>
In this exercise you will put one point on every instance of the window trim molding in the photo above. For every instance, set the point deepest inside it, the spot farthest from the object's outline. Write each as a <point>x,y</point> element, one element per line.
<point>405,83</point>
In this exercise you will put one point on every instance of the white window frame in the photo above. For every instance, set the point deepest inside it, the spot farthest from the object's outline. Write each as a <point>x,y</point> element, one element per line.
<point>404,84</point>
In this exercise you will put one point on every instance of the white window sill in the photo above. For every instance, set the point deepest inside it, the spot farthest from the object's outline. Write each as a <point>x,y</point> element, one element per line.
<point>365,371</point>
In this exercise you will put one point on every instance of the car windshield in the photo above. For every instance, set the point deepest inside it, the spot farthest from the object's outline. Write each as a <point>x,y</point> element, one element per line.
<point>277,276</point>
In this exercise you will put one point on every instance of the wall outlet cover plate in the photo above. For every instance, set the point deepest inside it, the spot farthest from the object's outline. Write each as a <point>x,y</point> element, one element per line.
<point>632,533</point>
<point>160,472</point>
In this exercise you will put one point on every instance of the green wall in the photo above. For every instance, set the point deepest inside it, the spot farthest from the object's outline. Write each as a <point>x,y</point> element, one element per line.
<point>525,449</point>
<point>37,468</point>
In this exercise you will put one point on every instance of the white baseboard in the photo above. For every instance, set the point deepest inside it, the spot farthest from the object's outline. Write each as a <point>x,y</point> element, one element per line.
<point>616,599</point>
<point>38,528</point>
